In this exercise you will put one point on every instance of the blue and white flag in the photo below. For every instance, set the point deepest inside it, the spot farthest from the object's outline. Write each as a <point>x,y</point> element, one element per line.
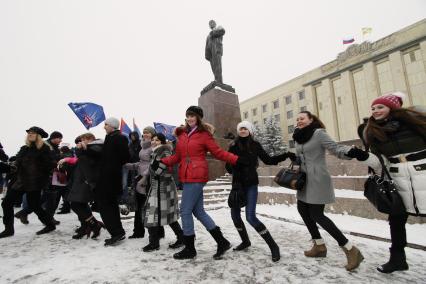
<point>90,114</point>
<point>166,129</point>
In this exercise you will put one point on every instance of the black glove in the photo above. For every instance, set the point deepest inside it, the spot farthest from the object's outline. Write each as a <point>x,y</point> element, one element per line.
<point>243,161</point>
<point>358,153</point>
<point>154,164</point>
<point>158,167</point>
<point>4,167</point>
<point>292,156</point>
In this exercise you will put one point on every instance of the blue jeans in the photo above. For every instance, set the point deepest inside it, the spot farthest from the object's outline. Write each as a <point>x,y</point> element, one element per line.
<point>251,195</point>
<point>193,203</point>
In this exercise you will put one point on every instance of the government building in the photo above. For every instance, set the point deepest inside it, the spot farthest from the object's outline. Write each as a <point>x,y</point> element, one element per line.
<point>340,91</point>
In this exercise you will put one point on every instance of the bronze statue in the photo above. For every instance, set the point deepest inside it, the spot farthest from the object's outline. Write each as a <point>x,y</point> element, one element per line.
<point>214,50</point>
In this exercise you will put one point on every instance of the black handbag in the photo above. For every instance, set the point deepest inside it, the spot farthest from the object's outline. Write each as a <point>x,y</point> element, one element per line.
<point>237,197</point>
<point>382,192</point>
<point>291,178</point>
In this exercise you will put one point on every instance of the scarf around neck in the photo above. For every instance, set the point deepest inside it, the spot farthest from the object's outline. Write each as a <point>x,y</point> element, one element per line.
<point>303,135</point>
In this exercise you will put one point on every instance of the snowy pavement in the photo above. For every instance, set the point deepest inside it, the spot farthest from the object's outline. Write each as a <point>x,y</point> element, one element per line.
<point>55,257</point>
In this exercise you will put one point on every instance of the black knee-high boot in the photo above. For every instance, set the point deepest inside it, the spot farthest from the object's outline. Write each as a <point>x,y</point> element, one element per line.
<point>189,251</point>
<point>154,239</point>
<point>179,235</point>
<point>264,233</point>
<point>244,236</point>
<point>222,244</point>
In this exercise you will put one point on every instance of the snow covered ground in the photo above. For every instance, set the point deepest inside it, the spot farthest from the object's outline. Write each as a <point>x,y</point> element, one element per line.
<point>55,257</point>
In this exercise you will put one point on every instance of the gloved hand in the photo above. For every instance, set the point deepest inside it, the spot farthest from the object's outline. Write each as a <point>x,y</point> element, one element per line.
<point>158,167</point>
<point>358,153</point>
<point>291,156</point>
<point>243,161</point>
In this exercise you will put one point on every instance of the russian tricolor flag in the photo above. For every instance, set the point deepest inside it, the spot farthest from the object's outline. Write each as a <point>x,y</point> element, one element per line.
<point>124,128</point>
<point>348,40</point>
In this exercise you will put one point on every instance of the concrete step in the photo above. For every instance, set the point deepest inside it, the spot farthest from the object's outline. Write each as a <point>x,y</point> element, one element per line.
<point>349,202</point>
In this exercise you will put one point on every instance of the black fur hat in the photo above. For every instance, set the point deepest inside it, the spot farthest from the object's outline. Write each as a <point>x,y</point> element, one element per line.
<point>195,110</point>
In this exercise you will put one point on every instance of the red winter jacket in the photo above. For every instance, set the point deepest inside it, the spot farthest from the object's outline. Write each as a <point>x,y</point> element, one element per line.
<point>191,155</point>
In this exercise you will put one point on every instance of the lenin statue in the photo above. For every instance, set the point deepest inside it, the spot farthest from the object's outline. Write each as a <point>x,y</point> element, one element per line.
<point>214,50</point>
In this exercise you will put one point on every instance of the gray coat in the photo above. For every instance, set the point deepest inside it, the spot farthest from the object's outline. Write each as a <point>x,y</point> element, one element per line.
<point>142,166</point>
<point>319,188</point>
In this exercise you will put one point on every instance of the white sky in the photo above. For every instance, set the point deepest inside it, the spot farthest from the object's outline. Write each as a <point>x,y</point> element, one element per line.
<point>145,59</point>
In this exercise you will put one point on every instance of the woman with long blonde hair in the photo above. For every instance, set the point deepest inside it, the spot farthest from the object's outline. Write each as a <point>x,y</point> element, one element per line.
<point>33,165</point>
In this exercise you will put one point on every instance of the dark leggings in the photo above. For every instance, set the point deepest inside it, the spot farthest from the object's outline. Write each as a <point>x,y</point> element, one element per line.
<point>138,222</point>
<point>82,210</point>
<point>313,214</point>
<point>398,232</point>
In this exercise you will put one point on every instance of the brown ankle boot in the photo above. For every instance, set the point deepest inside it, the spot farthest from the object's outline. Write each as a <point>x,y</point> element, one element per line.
<point>354,257</point>
<point>318,249</point>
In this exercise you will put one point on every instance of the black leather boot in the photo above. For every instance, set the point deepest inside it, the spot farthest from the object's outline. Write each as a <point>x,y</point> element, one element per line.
<point>49,228</point>
<point>82,231</point>
<point>95,227</point>
<point>397,262</point>
<point>154,239</point>
<point>222,244</point>
<point>179,235</point>
<point>22,216</point>
<point>189,251</point>
<point>275,250</point>
<point>244,237</point>
<point>8,232</point>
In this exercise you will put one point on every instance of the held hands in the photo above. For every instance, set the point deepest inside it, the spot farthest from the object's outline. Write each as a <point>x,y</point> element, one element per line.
<point>158,167</point>
<point>358,153</point>
<point>243,161</point>
<point>292,156</point>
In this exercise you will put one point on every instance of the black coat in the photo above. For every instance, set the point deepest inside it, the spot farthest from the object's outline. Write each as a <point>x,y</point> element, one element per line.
<point>33,168</point>
<point>134,149</point>
<point>85,174</point>
<point>115,154</point>
<point>246,175</point>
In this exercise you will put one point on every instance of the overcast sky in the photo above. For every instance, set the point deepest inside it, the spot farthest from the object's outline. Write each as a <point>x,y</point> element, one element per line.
<point>145,59</point>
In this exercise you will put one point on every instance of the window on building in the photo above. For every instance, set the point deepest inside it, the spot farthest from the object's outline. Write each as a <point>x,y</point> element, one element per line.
<point>254,122</point>
<point>288,100</point>
<point>412,56</point>
<point>289,114</point>
<point>304,108</point>
<point>320,105</point>
<point>245,114</point>
<point>301,95</point>
<point>264,121</point>
<point>276,104</point>
<point>291,143</point>
<point>290,129</point>
<point>339,100</point>
<point>277,118</point>
<point>254,111</point>
<point>264,108</point>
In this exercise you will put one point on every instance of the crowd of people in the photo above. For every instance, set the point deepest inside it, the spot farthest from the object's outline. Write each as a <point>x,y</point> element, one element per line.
<point>95,175</point>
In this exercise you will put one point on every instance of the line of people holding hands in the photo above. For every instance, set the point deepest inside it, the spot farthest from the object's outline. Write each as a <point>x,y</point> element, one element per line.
<point>396,134</point>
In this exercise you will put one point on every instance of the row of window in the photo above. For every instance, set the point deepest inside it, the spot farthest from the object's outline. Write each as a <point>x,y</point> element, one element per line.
<point>277,116</point>
<point>276,104</point>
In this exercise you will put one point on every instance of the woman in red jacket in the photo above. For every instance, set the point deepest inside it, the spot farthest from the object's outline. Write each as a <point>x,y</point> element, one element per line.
<point>194,141</point>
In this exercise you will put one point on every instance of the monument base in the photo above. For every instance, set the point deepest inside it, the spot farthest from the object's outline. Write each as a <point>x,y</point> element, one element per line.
<point>214,84</point>
<point>222,110</point>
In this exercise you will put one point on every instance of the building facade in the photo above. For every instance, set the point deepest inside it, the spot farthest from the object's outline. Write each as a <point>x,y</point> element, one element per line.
<point>340,91</point>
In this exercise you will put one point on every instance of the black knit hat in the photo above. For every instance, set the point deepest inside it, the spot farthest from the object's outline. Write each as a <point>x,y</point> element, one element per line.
<point>161,137</point>
<point>38,130</point>
<point>195,110</point>
<point>55,134</point>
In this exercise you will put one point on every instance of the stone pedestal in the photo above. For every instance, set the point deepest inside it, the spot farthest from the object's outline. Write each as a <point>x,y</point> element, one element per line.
<point>222,110</point>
